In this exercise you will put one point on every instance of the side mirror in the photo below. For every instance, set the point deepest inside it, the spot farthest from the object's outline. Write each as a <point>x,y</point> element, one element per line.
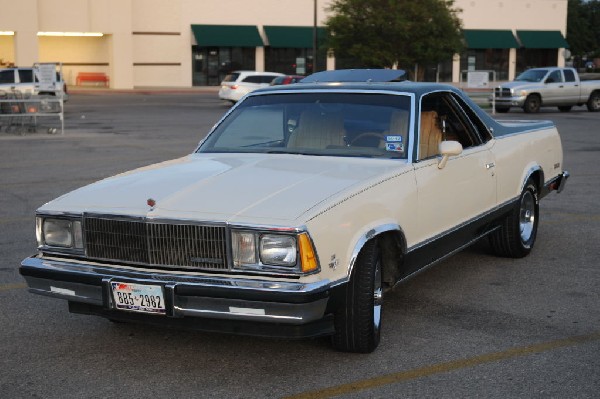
<point>549,80</point>
<point>448,149</point>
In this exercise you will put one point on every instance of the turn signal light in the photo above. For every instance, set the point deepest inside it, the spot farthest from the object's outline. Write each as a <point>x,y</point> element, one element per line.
<point>308,259</point>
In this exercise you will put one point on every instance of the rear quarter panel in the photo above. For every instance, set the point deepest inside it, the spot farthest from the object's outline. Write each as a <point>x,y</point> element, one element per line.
<point>518,155</point>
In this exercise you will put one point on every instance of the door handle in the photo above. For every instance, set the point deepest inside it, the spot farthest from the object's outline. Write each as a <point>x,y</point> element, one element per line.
<point>490,165</point>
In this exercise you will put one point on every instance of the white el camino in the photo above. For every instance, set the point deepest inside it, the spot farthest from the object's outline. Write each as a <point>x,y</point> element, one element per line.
<point>302,207</point>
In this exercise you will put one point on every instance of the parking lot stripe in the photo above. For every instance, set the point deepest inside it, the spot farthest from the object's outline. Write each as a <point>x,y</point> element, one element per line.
<point>394,378</point>
<point>15,286</point>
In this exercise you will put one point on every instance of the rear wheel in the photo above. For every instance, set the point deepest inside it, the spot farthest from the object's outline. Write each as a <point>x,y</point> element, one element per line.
<point>593,104</point>
<point>565,108</point>
<point>532,104</point>
<point>358,321</point>
<point>516,236</point>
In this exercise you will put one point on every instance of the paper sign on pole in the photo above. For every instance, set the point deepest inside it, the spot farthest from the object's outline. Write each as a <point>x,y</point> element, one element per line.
<point>478,80</point>
<point>46,76</point>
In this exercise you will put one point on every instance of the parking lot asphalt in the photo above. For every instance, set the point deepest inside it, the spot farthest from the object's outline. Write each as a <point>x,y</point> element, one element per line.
<point>473,326</point>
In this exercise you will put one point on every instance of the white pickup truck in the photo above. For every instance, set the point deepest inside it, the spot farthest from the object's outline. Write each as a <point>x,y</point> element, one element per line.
<point>551,86</point>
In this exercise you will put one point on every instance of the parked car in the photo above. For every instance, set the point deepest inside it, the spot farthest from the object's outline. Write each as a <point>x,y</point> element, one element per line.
<point>25,81</point>
<point>286,80</point>
<point>545,87</point>
<point>300,210</point>
<point>239,83</point>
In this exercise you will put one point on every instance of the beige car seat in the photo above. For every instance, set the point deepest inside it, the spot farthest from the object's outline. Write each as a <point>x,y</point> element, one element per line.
<point>431,135</point>
<point>317,129</point>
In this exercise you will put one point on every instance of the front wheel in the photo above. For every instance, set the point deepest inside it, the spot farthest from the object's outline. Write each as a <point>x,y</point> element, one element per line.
<point>358,320</point>
<point>532,104</point>
<point>516,236</point>
<point>593,104</point>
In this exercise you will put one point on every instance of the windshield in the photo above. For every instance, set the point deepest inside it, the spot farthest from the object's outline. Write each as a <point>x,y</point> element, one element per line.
<point>532,75</point>
<point>326,124</point>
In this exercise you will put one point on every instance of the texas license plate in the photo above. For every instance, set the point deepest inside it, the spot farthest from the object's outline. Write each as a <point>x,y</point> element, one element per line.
<point>138,297</point>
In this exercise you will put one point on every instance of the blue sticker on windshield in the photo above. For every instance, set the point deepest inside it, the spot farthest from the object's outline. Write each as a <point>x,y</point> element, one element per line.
<point>396,147</point>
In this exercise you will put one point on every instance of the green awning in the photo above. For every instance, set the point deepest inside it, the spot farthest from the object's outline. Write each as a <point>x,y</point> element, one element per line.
<point>227,36</point>
<point>293,36</point>
<point>484,39</point>
<point>542,39</point>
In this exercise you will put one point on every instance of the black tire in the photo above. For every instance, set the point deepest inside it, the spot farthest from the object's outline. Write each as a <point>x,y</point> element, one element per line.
<point>565,108</point>
<point>502,110</point>
<point>593,104</point>
<point>533,102</point>
<point>358,320</point>
<point>516,236</point>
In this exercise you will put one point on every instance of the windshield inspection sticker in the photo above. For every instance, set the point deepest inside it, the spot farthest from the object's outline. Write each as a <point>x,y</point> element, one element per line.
<point>395,139</point>
<point>394,143</point>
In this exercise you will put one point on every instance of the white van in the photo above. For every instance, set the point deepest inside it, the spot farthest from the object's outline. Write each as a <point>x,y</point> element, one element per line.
<point>25,81</point>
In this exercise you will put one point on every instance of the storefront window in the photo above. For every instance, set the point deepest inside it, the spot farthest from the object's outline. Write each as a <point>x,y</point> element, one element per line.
<point>441,72</point>
<point>486,60</point>
<point>535,58</point>
<point>293,61</point>
<point>211,64</point>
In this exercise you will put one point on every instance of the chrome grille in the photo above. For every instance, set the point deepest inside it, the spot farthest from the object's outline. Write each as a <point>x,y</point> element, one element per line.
<point>156,244</point>
<point>502,92</point>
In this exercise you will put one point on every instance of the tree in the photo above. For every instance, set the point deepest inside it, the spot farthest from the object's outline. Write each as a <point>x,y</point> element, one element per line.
<point>388,33</point>
<point>579,32</point>
<point>583,28</point>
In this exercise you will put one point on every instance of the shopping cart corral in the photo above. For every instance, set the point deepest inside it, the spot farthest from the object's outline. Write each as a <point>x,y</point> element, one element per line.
<point>23,114</point>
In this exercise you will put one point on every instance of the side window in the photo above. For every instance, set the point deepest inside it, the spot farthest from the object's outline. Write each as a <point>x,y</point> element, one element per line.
<point>26,75</point>
<point>7,76</point>
<point>481,129</point>
<point>253,79</point>
<point>443,118</point>
<point>554,77</point>
<point>267,79</point>
<point>569,75</point>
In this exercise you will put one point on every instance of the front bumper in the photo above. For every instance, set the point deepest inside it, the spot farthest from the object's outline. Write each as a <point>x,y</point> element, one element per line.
<point>240,305</point>
<point>516,101</point>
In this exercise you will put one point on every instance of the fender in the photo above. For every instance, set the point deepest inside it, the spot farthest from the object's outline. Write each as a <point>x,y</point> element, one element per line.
<point>363,238</point>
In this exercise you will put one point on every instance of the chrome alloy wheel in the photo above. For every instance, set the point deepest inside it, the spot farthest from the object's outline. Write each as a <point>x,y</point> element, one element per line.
<point>377,297</point>
<point>527,216</point>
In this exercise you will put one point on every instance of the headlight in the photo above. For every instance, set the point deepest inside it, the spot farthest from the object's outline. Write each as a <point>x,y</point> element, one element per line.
<point>278,250</point>
<point>64,233</point>
<point>268,251</point>
<point>244,248</point>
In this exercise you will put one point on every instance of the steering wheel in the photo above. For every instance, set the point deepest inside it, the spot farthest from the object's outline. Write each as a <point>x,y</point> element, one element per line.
<point>368,134</point>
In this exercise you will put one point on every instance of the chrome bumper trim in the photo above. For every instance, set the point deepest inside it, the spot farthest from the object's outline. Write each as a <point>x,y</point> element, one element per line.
<point>562,181</point>
<point>186,295</point>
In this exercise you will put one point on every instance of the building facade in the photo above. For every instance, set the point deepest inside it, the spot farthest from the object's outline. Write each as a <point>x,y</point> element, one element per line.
<point>185,43</point>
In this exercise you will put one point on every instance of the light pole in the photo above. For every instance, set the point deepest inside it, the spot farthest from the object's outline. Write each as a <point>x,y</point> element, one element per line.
<point>315,36</point>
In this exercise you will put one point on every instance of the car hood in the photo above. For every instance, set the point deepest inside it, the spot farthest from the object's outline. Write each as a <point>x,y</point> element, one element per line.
<point>244,188</point>
<point>521,85</point>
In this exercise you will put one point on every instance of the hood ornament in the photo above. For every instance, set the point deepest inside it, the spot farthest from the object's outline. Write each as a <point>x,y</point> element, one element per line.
<point>151,203</point>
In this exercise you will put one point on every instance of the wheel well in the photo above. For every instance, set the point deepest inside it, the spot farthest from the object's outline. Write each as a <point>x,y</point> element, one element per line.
<point>392,246</point>
<point>538,179</point>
